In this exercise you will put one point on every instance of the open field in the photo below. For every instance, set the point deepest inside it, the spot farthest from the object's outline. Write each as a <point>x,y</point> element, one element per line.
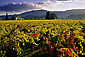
<point>39,38</point>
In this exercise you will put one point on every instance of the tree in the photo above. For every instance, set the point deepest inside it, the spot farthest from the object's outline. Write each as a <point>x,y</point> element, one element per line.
<point>47,15</point>
<point>51,15</point>
<point>6,16</point>
<point>18,17</point>
<point>13,18</point>
<point>22,18</point>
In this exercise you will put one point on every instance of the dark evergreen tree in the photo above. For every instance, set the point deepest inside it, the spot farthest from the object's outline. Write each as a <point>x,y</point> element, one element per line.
<point>6,16</point>
<point>51,15</point>
<point>47,15</point>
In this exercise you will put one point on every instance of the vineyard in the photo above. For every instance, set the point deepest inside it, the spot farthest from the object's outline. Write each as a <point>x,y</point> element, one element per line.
<point>41,38</point>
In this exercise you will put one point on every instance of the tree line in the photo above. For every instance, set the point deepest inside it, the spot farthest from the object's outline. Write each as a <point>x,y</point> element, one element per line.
<point>49,16</point>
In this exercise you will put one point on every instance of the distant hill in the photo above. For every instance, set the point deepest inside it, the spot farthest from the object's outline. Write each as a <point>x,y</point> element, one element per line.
<point>79,16</point>
<point>65,14</point>
<point>40,14</point>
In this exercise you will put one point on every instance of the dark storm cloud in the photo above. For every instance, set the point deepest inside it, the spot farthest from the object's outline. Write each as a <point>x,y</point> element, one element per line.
<point>18,7</point>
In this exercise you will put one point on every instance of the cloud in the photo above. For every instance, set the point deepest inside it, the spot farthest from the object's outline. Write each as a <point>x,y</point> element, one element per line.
<point>58,5</point>
<point>41,3</point>
<point>18,7</point>
<point>67,0</point>
<point>64,0</point>
<point>49,4</point>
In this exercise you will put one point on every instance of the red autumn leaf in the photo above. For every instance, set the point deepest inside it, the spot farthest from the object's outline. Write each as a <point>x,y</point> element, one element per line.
<point>72,43</point>
<point>69,36</point>
<point>34,30</point>
<point>52,47</point>
<point>71,48</point>
<point>76,48</point>
<point>44,38</point>
<point>72,40</point>
<point>61,34</point>
<point>47,39</point>
<point>62,51</point>
<point>33,34</point>
<point>69,51</point>
<point>66,33</point>
<point>49,27</point>
<point>73,34</point>
<point>66,52</point>
<point>37,34</point>
<point>48,42</point>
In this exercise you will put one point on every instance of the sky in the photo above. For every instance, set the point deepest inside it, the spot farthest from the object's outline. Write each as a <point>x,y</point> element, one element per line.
<point>21,6</point>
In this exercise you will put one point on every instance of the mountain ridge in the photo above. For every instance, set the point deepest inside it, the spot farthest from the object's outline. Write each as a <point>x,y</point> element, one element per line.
<point>40,14</point>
